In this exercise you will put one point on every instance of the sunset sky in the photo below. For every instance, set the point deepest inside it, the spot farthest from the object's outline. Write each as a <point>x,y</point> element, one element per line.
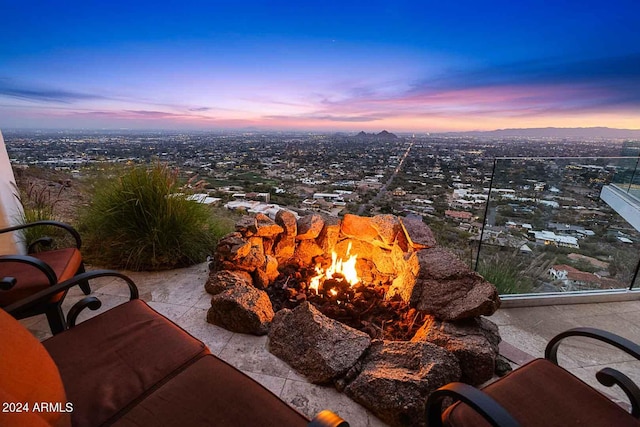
<point>320,65</point>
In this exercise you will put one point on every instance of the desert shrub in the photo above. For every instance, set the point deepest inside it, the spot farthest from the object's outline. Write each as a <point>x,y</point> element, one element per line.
<point>38,204</point>
<point>512,274</point>
<point>141,221</point>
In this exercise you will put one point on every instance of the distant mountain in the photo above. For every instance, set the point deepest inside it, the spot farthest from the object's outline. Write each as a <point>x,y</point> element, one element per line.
<point>385,134</point>
<point>382,135</point>
<point>550,132</point>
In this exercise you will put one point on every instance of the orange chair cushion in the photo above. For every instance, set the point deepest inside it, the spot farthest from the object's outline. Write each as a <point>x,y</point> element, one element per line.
<point>28,375</point>
<point>542,394</point>
<point>64,262</point>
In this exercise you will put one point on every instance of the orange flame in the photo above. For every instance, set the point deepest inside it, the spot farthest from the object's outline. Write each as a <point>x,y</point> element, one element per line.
<point>345,268</point>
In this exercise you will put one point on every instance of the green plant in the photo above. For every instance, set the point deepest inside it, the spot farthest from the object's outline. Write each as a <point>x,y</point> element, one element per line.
<point>142,221</point>
<point>38,204</point>
<point>511,274</point>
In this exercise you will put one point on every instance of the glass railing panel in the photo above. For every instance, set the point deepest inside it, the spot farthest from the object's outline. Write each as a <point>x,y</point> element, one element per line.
<point>634,186</point>
<point>626,175</point>
<point>547,230</point>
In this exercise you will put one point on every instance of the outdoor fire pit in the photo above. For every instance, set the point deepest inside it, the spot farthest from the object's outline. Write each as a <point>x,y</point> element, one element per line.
<point>370,304</point>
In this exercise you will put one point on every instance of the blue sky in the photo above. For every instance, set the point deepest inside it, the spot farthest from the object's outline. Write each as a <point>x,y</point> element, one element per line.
<point>401,65</point>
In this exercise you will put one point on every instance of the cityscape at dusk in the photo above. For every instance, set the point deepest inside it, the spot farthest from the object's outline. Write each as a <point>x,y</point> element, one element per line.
<point>406,66</point>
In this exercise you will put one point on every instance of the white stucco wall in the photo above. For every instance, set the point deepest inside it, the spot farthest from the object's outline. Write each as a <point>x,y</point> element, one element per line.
<point>10,207</point>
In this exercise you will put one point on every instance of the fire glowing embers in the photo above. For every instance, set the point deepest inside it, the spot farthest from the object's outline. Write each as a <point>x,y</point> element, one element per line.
<point>339,277</point>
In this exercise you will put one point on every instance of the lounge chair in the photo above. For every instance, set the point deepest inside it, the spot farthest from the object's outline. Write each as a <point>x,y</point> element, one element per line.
<point>25,275</point>
<point>541,393</point>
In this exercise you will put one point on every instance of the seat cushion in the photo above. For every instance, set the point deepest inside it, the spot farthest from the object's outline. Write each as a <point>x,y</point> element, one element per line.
<point>541,393</point>
<point>64,262</point>
<point>109,361</point>
<point>27,375</point>
<point>212,393</point>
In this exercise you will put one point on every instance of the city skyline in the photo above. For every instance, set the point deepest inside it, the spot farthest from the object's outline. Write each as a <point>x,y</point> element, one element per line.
<point>406,66</point>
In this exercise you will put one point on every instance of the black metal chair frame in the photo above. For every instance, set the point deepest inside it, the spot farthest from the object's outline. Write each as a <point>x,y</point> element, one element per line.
<point>53,310</point>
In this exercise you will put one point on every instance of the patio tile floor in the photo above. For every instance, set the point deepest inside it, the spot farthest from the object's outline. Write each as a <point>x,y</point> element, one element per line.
<point>180,295</point>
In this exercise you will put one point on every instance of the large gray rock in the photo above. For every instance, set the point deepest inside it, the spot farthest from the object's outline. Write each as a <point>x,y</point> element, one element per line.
<point>316,346</point>
<point>220,281</point>
<point>474,342</point>
<point>241,308</point>
<point>449,290</point>
<point>397,377</point>
<point>418,233</point>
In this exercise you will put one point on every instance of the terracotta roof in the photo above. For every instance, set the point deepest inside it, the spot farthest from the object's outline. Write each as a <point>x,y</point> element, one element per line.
<point>458,214</point>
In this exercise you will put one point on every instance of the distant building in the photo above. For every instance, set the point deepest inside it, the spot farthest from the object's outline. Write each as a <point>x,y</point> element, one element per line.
<point>266,197</point>
<point>327,196</point>
<point>574,279</point>
<point>399,192</point>
<point>459,215</point>
<point>254,206</point>
<point>203,198</point>
<point>550,238</point>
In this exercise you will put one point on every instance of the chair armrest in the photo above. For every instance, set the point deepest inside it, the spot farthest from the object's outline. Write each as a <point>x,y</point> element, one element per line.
<point>327,418</point>
<point>44,241</point>
<point>74,233</point>
<point>35,262</point>
<point>481,402</point>
<point>629,347</point>
<point>609,377</point>
<point>44,295</point>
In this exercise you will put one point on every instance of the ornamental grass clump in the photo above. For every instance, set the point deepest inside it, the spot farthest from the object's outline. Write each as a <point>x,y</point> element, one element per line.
<point>141,221</point>
<point>38,204</point>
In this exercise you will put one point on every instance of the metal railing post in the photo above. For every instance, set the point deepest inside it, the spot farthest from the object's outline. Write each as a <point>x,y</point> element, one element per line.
<point>633,175</point>
<point>635,276</point>
<point>486,210</point>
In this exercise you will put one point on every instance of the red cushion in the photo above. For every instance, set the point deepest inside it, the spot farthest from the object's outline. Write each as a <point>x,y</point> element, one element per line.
<point>212,393</point>
<point>113,359</point>
<point>64,262</point>
<point>541,394</point>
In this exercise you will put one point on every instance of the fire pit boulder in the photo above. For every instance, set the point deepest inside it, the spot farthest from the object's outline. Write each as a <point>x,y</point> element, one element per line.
<point>447,289</point>
<point>320,348</point>
<point>237,305</point>
<point>474,342</point>
<point>395,378</point>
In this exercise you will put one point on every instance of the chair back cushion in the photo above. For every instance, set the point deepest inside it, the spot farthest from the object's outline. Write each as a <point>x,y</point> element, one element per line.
<point>28,376</point>
<point>541,393</point>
